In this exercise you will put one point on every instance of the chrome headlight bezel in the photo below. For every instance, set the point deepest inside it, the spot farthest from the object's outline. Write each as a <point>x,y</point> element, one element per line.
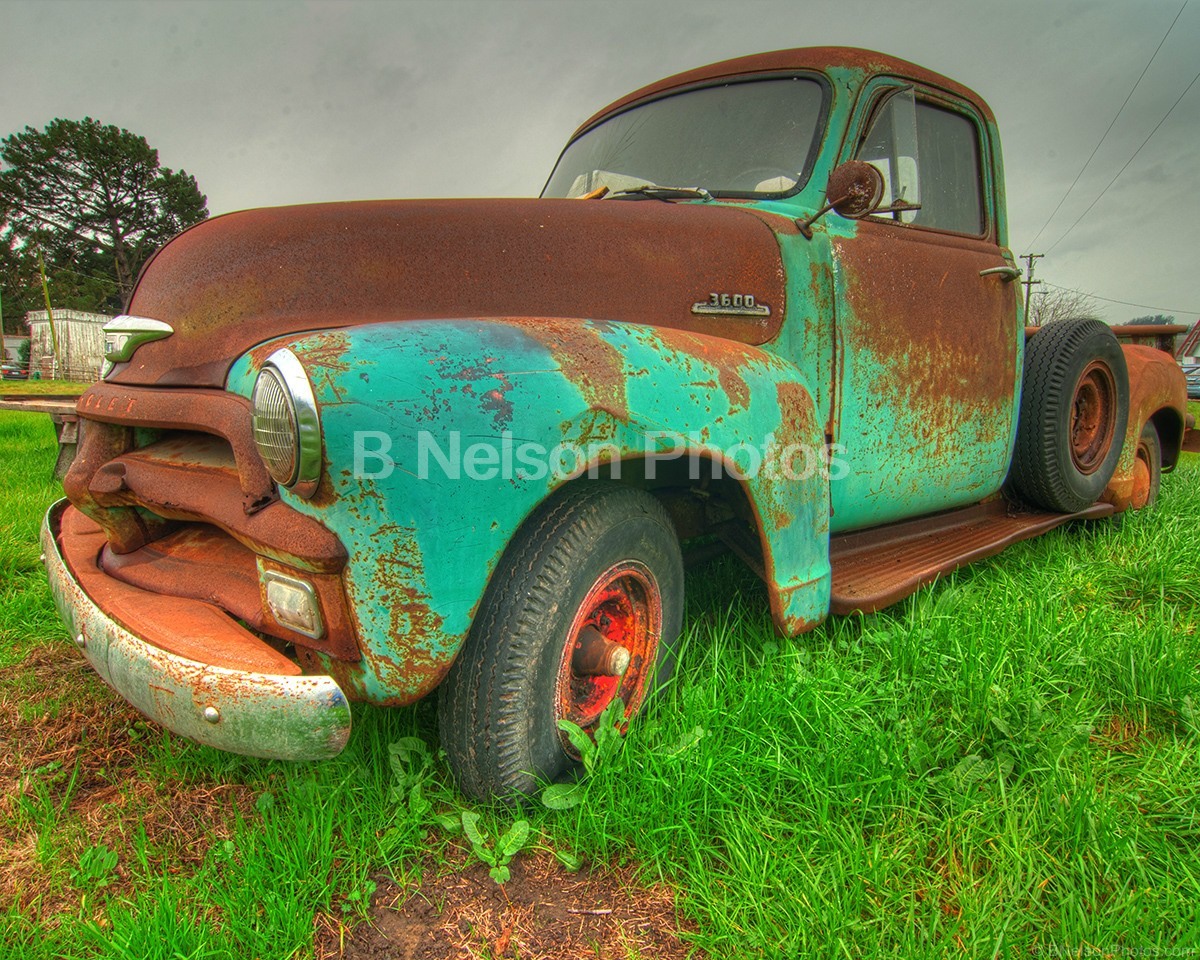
<point>285,372</point>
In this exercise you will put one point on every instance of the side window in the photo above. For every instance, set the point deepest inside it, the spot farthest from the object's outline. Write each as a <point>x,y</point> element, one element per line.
<point>891,148</point>
<point>928,155</point>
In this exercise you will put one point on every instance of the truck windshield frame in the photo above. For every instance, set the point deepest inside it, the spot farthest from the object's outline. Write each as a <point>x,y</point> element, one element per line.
<point>753,137</point>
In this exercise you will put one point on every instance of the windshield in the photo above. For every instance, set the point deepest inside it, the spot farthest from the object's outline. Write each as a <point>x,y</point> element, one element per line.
<point>753,138</point>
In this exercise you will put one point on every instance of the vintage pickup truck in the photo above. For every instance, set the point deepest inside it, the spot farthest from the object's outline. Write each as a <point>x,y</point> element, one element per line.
<point>365,451</point>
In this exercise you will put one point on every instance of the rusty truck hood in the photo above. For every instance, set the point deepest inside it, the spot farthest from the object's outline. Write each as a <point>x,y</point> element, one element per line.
<point>240,279</point>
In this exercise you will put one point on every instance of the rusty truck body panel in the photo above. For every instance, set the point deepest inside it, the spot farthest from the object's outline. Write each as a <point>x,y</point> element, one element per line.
<point>807,386</point>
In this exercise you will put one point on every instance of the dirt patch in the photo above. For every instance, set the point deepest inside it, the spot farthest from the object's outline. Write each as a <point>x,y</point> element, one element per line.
<point>1122,734</point>
<point>52,720</point>
<point>72,776</point>
<point>542,913</point>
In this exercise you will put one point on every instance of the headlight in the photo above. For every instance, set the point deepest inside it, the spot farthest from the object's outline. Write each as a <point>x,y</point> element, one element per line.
<point>287,427</point>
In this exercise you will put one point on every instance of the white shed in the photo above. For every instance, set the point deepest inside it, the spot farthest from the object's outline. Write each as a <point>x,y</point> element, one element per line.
<point>80,344</point>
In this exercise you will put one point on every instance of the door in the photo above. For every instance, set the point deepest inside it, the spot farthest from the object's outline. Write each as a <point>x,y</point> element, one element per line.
<point>928,348</point>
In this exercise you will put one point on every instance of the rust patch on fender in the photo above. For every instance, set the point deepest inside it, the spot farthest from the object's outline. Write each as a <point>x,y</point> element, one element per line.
<point>590,362</point>
<point>493,400</point>
<point>326,495</point>
<point>412,664</point>
<point>1155,383</point>
<point>729,357</point>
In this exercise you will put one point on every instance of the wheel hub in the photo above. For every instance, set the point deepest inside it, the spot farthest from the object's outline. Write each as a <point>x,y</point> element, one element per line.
<point>1093,417</point>
<point>610,649</point>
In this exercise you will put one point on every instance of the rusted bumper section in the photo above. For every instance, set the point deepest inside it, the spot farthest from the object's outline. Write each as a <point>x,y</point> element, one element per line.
<point>263,707</point>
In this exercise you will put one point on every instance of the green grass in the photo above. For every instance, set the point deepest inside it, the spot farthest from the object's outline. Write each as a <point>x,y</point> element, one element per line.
<point>1008,759</point>
<point>1005,763</point>
<point>27,452</point>
<point>40,387</point>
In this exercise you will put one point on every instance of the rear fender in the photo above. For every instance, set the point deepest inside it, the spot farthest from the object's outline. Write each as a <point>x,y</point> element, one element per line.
<point>432,434</point>
<point>1158,393</point>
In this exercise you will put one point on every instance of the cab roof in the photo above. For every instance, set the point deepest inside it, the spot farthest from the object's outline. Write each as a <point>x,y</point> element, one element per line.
<point>800,58</point>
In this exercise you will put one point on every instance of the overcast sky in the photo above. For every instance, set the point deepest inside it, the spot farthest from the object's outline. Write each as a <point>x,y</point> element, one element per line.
<point>272,103</point>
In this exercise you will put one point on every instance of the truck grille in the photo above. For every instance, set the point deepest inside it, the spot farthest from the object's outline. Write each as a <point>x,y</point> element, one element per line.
<point>193,492</point>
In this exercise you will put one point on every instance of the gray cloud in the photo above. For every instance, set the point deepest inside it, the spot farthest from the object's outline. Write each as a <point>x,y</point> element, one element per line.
<point>289,102</point>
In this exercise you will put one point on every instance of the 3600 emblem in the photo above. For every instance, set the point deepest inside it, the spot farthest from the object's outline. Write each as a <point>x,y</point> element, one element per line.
<point>731,305</point>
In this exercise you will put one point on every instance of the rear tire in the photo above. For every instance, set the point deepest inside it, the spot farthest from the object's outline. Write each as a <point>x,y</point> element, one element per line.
<point>596,557</point>
<point>1073,417</point>
<point>1147,469</point>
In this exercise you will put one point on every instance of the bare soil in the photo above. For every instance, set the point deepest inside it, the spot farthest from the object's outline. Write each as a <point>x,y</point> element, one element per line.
<point>72,761</point>
<point>541,913</point>
<point>1121,734</point>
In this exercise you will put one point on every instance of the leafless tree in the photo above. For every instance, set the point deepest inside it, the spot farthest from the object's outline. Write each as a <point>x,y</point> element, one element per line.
<point>1056,303</point>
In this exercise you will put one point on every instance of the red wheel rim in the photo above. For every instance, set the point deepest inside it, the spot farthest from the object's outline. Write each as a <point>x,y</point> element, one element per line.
<point>625,606</point>
<point>1093,417</point>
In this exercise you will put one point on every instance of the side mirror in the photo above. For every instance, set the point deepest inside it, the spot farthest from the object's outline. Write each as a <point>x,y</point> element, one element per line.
<point>854,191</point>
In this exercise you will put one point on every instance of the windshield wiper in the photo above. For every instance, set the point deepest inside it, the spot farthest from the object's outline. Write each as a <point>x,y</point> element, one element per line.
<point>659,192</point>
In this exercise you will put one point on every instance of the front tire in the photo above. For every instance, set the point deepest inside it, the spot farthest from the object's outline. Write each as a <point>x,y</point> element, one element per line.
<point>584,607</point>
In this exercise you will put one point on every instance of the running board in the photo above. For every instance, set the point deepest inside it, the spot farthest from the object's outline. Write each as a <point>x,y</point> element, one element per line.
<point>873,569</point>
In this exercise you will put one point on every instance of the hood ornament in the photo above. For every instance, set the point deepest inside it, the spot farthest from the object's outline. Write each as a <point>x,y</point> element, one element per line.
<point>124,334</point>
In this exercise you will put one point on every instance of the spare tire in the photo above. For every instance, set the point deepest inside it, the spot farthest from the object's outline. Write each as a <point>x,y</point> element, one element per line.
<point>1073,417</point>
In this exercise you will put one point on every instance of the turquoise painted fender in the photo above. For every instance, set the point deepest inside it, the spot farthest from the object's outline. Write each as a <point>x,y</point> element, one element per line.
<point>441,437</point>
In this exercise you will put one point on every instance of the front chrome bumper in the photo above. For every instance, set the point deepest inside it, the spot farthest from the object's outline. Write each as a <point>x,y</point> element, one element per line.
<point>258,714</point>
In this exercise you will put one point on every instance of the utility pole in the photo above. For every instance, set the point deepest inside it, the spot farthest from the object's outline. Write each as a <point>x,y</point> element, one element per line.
<point>49,314</point>
<point>1028,282</point>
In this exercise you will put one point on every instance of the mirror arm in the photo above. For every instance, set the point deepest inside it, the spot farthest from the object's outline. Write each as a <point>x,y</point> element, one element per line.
<point>805,225</point>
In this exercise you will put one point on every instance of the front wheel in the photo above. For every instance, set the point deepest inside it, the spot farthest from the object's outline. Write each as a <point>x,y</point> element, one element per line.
<point>583,609</point>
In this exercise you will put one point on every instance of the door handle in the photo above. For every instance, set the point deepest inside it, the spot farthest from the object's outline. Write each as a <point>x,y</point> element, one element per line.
<point>1007,274</point>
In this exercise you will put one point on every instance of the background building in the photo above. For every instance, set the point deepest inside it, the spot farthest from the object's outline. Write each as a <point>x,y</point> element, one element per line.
<point>80,345</point>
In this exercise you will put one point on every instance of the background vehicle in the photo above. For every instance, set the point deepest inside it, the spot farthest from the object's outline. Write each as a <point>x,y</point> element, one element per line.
<point>11,371</point>
<point>363,451</point>
<point>1192,372</point>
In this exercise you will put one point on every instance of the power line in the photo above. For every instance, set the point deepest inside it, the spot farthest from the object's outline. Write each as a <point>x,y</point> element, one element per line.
<point>85,276</point>
<point>1127,303</point>
<point>1127,163</point>
<point>1033,243</point>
